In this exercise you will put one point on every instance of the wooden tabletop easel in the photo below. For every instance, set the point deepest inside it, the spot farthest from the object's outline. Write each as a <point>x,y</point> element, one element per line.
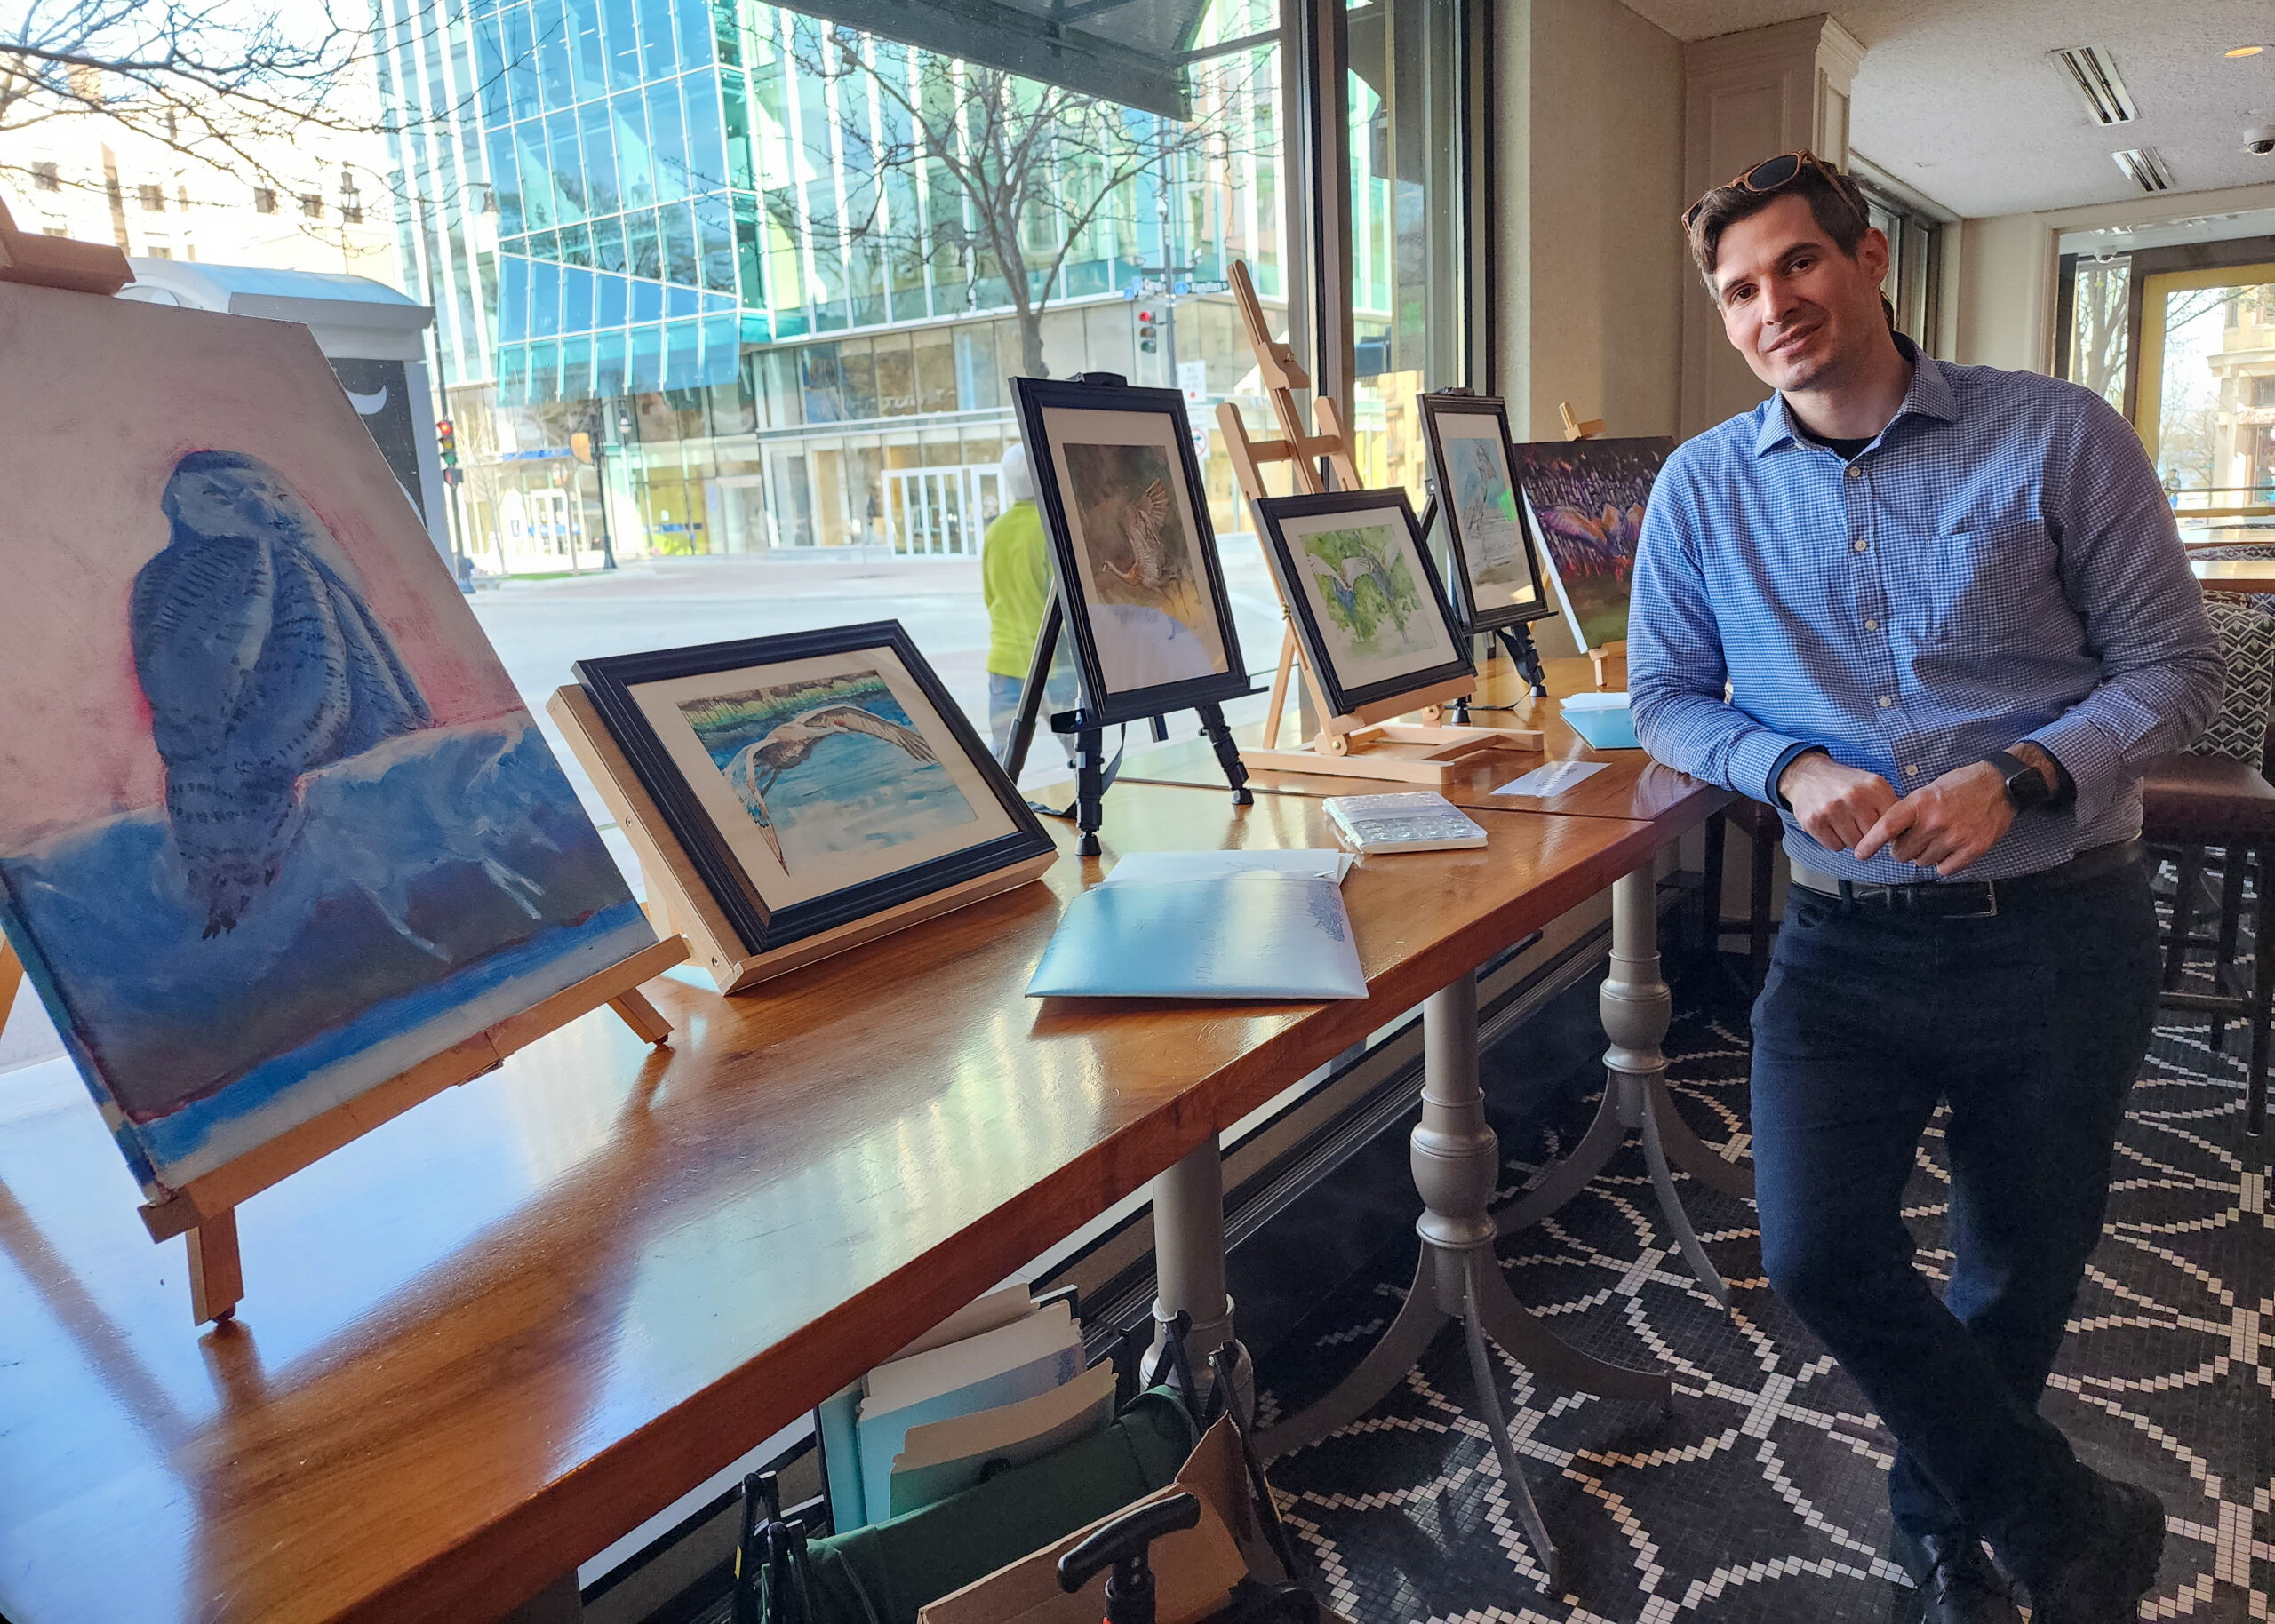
<point>1592,428</point>
<point>1354,744</point>
<point>205,1210</point>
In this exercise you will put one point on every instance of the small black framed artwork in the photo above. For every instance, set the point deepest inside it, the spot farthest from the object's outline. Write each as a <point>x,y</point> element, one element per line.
<point>813,779</point>
<point>1365,597</point>
<point>1495,571</point>
<point>1132,549</point>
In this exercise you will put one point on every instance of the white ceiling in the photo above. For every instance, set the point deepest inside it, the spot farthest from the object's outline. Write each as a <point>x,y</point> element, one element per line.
<point>1958,98</point>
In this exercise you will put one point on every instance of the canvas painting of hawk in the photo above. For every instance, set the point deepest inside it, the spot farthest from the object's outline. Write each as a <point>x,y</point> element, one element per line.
<point>275,825</point>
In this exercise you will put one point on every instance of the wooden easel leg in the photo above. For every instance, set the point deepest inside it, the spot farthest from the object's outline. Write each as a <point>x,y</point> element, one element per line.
<point>642,1016</point>
<point>216,1275</point>
<point>1276,707</point>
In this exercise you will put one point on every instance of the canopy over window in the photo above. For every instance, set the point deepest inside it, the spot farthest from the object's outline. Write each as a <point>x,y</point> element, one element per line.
<point>1130,51</point>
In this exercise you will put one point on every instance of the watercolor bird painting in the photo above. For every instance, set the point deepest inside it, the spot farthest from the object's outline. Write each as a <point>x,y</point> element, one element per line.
<point>756,767</point>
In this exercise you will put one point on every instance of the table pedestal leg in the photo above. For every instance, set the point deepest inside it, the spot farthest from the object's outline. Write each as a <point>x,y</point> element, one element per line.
<point>1637,1010</point>
<point>1457,1157</point>
<point>1189,1265</point>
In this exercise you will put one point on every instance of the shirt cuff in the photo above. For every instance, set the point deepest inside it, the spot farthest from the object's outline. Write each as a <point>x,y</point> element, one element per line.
<point>2085,755</point>
<point>1792,753</point>
<point>1758,759</point>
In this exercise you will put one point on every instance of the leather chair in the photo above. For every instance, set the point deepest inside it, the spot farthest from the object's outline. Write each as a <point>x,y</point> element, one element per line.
<point>2214,797</point>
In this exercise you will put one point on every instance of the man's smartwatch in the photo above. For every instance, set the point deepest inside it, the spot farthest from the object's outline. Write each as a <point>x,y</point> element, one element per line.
<point>2026,786</point>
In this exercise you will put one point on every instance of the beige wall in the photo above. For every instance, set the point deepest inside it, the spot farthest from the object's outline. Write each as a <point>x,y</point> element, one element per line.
<point>1589,149</point>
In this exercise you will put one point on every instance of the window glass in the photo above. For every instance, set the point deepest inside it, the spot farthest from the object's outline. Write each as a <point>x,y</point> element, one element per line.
<point>784,269</point>
<point>2206,336</point>
<point>2098,320</point>
<point>1407,214</point>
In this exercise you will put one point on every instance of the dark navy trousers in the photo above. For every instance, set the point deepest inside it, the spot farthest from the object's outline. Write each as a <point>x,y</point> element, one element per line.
<point>2031,1025</point>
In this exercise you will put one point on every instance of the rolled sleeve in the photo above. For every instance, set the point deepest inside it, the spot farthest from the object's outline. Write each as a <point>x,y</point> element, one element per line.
<point>1677,673</point>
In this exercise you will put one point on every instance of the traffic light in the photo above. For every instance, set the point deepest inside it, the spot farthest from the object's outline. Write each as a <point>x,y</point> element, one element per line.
<point>446,439</point>
<point>1149,333</point>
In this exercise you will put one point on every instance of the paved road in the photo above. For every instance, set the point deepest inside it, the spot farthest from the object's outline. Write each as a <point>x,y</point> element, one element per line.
<point>540,628</point>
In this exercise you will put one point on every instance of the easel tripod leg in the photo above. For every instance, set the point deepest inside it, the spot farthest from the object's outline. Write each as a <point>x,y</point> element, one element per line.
<point>1090,788</point>
<point>1228,755</point>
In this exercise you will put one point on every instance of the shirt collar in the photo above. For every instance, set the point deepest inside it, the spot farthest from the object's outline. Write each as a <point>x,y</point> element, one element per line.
<point>1929,396</point>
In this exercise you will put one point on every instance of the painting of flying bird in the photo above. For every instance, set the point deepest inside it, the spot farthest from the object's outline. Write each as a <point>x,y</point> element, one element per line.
<point>275,825</point>
<point>827,766</point>
<point>1584,499</point>
<point>814,781</point>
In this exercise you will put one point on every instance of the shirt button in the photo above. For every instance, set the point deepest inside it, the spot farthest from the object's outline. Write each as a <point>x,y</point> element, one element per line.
<point>1871,626</point>
<point>1860,543</point>
<point>1855,472</point>
<point>1884,703</point>
<point>1912,772</point>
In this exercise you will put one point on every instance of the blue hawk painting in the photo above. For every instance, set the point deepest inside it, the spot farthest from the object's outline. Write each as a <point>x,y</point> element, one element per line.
<point>274,824</point>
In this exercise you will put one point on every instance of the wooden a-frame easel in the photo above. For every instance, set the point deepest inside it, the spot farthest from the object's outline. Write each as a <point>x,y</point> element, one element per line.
<point>1357,744</point>
<point>204,1210</point>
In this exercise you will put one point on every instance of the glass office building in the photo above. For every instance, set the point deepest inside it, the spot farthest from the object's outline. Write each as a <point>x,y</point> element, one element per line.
<point>757,259</point>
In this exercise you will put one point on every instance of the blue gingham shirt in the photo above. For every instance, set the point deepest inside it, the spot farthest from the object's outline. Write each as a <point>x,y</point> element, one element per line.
<point>1999,564</point>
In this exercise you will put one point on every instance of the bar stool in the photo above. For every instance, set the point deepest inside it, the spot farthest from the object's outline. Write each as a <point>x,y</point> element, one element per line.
<point>2216,797</point>
<point>1764,829</point>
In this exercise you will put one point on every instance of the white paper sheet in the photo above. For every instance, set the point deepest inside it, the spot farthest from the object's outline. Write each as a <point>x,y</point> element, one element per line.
<point>1553,779</point>
<point>1301,863</point>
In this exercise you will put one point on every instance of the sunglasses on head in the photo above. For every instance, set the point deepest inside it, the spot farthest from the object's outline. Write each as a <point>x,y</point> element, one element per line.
<point>1771,175</point>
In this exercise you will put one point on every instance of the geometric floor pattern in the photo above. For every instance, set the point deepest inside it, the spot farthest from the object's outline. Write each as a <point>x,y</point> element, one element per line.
<point>1762,1497</point>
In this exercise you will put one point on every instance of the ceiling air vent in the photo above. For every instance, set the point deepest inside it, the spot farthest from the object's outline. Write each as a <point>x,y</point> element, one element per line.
<point>2092,70</point>
<point>2145,167</point>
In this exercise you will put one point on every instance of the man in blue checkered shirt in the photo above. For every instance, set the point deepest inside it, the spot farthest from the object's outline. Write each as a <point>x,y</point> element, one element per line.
<point>1939,616</point>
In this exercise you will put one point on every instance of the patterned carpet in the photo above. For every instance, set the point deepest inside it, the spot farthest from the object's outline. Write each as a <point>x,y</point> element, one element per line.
<point>1763,1498</point>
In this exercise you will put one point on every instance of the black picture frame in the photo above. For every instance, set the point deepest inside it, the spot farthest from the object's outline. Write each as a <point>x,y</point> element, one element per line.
<point>1344,698</point>
<point>1105,704</point>
<point>761,926</point>
<point>1463,594</point>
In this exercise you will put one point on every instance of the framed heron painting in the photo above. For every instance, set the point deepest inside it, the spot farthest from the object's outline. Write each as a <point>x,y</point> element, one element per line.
<point>274,826</point>
<point>813,779</point>
<point>1132,551</point>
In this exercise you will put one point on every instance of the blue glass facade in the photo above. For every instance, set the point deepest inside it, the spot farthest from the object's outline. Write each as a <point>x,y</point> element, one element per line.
<point>656,222</point>
<point>619,192</point>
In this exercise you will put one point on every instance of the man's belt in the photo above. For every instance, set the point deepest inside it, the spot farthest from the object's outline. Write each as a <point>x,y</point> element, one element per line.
<point>1972,898</point>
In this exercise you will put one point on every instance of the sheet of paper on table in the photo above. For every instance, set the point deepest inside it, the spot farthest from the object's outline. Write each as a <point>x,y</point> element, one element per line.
<point>1552,779</point>
<point>1303,862</point>
<point>1246,936</point>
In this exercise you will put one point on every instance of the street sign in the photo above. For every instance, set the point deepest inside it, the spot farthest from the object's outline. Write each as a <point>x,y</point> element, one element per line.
<point>1193,378</point>
<point>1201,443</point>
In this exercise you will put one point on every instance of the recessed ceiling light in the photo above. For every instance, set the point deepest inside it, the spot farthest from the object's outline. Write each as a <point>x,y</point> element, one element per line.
<point>2246,50</point>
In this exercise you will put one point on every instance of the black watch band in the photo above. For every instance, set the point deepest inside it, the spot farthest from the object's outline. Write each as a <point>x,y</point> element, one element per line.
<point>2026,786</point>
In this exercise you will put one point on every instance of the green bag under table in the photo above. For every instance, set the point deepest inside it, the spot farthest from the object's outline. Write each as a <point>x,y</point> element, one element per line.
<point>881,1574</point>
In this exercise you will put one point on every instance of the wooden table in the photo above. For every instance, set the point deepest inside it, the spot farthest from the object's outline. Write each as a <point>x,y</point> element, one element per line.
<point>2242,575</point>
<point>503,1329</point>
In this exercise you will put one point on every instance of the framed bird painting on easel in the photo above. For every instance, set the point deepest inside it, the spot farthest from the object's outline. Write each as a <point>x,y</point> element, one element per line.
<point>1133,552</point>
<point>808,785</point>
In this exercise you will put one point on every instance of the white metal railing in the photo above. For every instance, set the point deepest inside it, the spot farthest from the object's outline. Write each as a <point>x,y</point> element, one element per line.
<point>941,512</point>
